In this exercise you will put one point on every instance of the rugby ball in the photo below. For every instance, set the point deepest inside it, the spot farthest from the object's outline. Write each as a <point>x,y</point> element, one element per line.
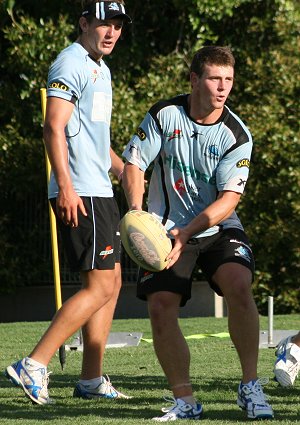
<point>145,240</point>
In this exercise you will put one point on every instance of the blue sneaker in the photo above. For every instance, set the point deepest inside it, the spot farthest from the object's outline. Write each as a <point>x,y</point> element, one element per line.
<point>32,380</point>
<point>103,390</point>
<point>252,399</point>
<point>180,410</point>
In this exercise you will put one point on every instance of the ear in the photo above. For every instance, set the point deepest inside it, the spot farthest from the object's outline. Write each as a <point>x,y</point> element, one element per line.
<point>194,78</point>
<point>83,24</point>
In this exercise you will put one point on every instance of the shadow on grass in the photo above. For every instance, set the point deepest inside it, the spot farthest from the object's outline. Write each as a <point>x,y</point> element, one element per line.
<point>217,395</point>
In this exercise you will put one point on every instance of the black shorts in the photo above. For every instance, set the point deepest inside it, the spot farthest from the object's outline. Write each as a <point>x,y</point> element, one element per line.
<point>227,246</point>
<point>95,243</point>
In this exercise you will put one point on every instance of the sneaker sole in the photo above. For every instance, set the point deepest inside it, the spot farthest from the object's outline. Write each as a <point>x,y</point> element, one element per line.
<point>286,377</point>
<point>261,416</point>
<point>99,397</point>
<point>11,374</point>
<point>283,379</point>
<point>159,418</point>
<point>91,396</point>
<point>10,378</point>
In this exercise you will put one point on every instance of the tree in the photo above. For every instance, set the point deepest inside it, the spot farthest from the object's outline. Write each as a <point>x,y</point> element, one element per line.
<point>149,63</point>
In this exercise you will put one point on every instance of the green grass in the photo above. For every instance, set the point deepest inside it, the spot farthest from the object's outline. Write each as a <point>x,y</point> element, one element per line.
<point>215,375</point>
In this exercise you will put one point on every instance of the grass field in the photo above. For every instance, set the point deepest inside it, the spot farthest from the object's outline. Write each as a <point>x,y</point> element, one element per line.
<point>135,370</point>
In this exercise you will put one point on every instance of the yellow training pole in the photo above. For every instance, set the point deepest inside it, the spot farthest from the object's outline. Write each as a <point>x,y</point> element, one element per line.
<point>53,231</point>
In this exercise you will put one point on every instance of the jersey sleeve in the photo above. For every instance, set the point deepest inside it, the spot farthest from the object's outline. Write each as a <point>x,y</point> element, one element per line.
<point>66,78</point>
<point>145,145</point>
<point>233,170</point>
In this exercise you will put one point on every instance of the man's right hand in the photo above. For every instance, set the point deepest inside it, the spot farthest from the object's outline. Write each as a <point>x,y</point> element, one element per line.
<point>67,204</point>
<point>181,237</point>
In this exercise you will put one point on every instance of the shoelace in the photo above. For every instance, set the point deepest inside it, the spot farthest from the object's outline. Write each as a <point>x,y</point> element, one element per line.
<point>111,389</point>
<point>281,350</point>
<point>108,386</point>
<point>45,382</point>
<point>169,399</point>
<point>257,394</point>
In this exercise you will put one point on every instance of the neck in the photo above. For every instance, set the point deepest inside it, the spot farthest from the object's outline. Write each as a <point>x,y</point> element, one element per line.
<point>92,55</point>
<point>202,114</point>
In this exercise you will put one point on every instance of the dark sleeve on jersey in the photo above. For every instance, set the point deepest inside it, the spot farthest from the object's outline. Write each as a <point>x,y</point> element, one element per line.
<point>238,131</point>
<point>233,169</point>
<point>180,100</point>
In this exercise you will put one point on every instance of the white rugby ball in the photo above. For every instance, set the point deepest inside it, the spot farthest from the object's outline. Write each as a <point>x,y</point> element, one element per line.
<point>145,240</point>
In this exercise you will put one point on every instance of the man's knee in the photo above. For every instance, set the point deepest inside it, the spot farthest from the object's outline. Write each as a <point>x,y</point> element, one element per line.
<point>99,285</point>
<point>163,307</point>
<point>235,281</point>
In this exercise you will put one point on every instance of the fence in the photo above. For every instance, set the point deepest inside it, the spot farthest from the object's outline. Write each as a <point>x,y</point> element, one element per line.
<point>31,235</point>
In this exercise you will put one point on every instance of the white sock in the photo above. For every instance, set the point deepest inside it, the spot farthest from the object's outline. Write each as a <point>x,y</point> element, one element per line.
<point>190,400</point>
<point>33,363</point>
<point>91,383</point>
<point>250,383</point>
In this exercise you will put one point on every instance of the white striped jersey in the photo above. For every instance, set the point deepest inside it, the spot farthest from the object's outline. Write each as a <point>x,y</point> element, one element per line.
<point>192,162</point>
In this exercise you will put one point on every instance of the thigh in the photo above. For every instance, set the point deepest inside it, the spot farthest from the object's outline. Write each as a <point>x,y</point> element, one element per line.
<point>177,279</point>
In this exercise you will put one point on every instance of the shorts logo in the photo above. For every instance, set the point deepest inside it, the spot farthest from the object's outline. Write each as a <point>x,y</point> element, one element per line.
<point>243,163</point>
<point>58,85</point>
<point>146,277</point>
<point>107,251</point>
<point>241,251</point>
<point>113,6</point>
<point>141,134</point>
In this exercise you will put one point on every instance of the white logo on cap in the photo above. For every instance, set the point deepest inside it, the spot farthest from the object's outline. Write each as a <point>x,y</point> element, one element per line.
<point>113,6</point>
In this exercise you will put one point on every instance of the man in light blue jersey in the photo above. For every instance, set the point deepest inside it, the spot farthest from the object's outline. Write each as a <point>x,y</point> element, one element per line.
<point>201,153</point>
<point>77,138</point>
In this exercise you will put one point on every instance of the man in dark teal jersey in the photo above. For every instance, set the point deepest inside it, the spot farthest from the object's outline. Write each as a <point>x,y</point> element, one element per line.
<point>77,138</point>
<point>201,152</point>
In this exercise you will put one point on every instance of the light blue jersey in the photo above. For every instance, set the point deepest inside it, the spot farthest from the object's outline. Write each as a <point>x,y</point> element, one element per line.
<point>76,77</point>
<point>192,162</point>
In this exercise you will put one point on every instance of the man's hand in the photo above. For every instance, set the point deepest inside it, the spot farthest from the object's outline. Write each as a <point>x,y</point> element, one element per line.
<point>181,237</point>
<point>67,205</point>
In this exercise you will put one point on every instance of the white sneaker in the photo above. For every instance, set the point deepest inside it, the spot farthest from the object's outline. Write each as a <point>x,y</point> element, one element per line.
<point>33,380</point>
<point>287,364</point>
<point>180,410</point>
<point>252,399</point>
<point>104,390</point>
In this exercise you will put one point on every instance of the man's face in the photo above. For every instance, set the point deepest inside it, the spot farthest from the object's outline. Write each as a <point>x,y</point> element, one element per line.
<point>214,85</point>
<point>99,37</point>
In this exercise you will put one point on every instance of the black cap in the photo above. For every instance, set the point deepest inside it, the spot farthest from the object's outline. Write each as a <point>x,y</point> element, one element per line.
<point>107,10</point>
